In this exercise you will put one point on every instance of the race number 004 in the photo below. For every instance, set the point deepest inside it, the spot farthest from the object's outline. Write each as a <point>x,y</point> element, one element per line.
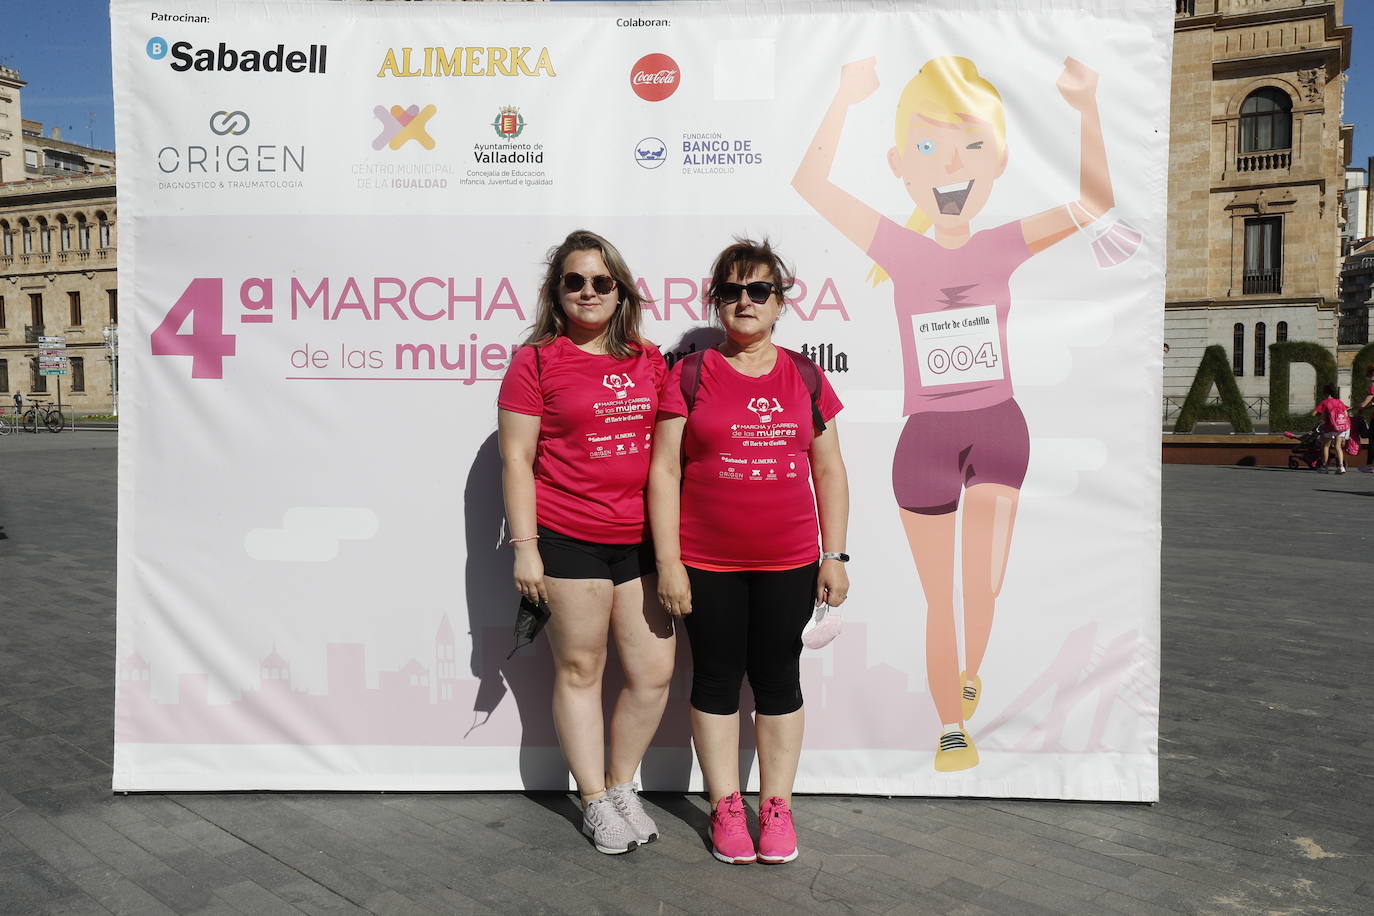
<point>961,358</point>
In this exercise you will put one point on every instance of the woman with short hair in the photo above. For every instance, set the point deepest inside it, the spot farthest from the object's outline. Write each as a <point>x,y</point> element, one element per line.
<point>745,430</point>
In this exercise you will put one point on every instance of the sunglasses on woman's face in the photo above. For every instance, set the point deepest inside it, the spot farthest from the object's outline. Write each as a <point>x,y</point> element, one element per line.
<point>575,283</point>
<point>758,291</point>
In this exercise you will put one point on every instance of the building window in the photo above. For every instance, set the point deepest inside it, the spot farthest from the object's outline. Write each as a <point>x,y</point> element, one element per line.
<point>1263,255</point>
<point>44,236</point>
<point>38,382</point>
<point>74,306</point>
<point>4,375</point>
<point>104,230</point>
<point>113,296</point>
<point>83,232</point>
<point>1259,348</point>
<point>3,325</point>
<point>1238,349</point>
<point>1281,332</point>
<point>36,309</point>
<point>1266,121</point>
<point>27,232</point>
<point>6,240</point>
<point>64,238</point>
<point>78,366</point>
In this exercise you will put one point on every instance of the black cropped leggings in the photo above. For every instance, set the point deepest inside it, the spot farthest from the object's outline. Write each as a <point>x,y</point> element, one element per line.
<point>749,622</point>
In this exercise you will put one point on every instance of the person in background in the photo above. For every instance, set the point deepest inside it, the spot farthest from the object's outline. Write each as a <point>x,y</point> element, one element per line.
<point>1368,424</point>
<point>1335,428</point>
<point>746,429</point>
<point>575,457</point>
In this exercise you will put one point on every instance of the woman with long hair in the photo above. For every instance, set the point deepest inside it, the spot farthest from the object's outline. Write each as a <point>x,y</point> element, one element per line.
<point>576,414</point>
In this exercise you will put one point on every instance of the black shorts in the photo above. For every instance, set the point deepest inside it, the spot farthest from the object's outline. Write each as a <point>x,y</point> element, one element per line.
<point>568,557</point>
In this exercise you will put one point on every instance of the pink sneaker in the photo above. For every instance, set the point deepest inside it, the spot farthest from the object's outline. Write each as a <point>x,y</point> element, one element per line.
<point>730,840</point>
<point>777,836</point>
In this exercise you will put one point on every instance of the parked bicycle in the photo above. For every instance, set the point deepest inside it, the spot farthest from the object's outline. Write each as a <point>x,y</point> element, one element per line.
<point>44,414</point>
<point>5,424</point>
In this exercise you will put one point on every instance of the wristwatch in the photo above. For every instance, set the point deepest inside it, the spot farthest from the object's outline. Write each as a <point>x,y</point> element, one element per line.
<point>842,557</point>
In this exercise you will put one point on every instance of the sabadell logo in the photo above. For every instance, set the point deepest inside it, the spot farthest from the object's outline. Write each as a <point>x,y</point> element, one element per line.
<point>654,77</point>
<point>186,56</point>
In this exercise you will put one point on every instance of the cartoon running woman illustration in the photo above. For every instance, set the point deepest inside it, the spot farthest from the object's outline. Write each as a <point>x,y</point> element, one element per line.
<point>965,437</point>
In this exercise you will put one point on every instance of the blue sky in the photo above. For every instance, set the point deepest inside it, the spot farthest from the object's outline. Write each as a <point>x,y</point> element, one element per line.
<point>61,49</point>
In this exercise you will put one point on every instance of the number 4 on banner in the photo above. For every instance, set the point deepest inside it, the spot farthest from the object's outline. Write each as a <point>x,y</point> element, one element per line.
<point>207,344</point>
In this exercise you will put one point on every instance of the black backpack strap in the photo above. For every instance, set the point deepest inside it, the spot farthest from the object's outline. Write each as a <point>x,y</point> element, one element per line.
<point>811,376</point>
<point>690,380</point>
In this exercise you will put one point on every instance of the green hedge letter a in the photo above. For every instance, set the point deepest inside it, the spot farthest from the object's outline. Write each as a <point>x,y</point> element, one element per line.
<point>1214,369</point>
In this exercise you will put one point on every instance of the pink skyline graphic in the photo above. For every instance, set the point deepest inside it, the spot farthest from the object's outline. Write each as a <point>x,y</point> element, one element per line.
<point>857,705</point>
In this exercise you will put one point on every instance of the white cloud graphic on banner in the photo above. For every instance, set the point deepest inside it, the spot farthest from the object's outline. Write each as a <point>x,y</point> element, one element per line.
<point>311,534</point>
<point>1055,464</point>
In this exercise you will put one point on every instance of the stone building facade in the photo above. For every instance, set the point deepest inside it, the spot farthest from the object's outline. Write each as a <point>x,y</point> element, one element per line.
<point>1257,166</point>
<point>57,279</point>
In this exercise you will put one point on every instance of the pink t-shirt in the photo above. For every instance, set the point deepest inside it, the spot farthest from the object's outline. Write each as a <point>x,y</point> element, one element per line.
<point>952,306</point>
<point>746,481</point>
<point>596,417</point>
<point>1337,419</point>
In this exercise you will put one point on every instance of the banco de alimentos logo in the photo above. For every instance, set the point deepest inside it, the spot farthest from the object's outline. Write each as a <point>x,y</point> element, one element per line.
<point>402,125</point>
<point>222,58</point>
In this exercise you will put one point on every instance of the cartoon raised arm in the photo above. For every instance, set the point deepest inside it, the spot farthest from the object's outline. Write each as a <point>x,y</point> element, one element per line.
<point>1078,85</point>
<point>856,220</point>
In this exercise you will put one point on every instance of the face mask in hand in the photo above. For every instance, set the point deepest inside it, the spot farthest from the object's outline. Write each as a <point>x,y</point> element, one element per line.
<point>1112,239</point>
<point>824,626</point>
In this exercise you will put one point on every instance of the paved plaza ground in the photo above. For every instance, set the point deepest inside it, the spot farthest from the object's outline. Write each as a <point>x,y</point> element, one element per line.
<point>1266,759</point>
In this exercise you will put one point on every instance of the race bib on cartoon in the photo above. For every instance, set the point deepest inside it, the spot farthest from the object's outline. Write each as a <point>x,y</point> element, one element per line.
<point>960,345</point>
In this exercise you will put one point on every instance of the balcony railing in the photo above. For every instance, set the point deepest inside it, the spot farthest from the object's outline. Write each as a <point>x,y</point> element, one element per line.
<point>1265,161</point>
<point>1265,280</point>
<point>1353,327</point>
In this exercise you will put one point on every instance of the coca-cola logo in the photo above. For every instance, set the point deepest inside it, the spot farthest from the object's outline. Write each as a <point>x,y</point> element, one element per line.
<point>654,77</point>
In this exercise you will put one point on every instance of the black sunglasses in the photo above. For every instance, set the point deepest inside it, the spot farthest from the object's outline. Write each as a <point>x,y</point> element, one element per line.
<point>759,291</point>
<point>575,283</point>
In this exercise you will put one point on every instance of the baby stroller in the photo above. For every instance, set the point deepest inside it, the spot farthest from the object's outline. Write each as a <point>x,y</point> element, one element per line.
<point>1307,449</point>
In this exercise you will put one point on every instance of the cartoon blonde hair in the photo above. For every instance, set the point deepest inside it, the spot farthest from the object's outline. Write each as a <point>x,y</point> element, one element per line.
<point>951,91</point>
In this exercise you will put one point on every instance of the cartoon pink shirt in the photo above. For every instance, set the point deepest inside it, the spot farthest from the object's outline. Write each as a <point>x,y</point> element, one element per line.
<point>747,501</point>
<point>596,416</point>
<point>952,306</point>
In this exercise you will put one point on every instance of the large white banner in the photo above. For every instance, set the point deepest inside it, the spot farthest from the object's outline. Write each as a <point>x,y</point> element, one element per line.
<point>332,222</point>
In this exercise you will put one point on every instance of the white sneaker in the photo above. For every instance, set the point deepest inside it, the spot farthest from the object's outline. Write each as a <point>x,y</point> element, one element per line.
<point>626,799</point>
<point>609,831</point>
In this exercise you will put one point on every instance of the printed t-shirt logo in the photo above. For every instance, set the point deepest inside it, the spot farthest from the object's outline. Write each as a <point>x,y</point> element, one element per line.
<point>620,384</point>
<point>654,77</point>
<point>761,408</point>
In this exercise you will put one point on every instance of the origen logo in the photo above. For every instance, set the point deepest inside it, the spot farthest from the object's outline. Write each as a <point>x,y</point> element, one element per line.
<point>401,125</point>
<point>233,123</point>
<point>654,77</point>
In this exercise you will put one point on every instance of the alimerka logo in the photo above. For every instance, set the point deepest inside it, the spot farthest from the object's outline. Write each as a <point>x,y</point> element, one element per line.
<point>222,58</point>
<point>465,62</point>
<point>402,125</point>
